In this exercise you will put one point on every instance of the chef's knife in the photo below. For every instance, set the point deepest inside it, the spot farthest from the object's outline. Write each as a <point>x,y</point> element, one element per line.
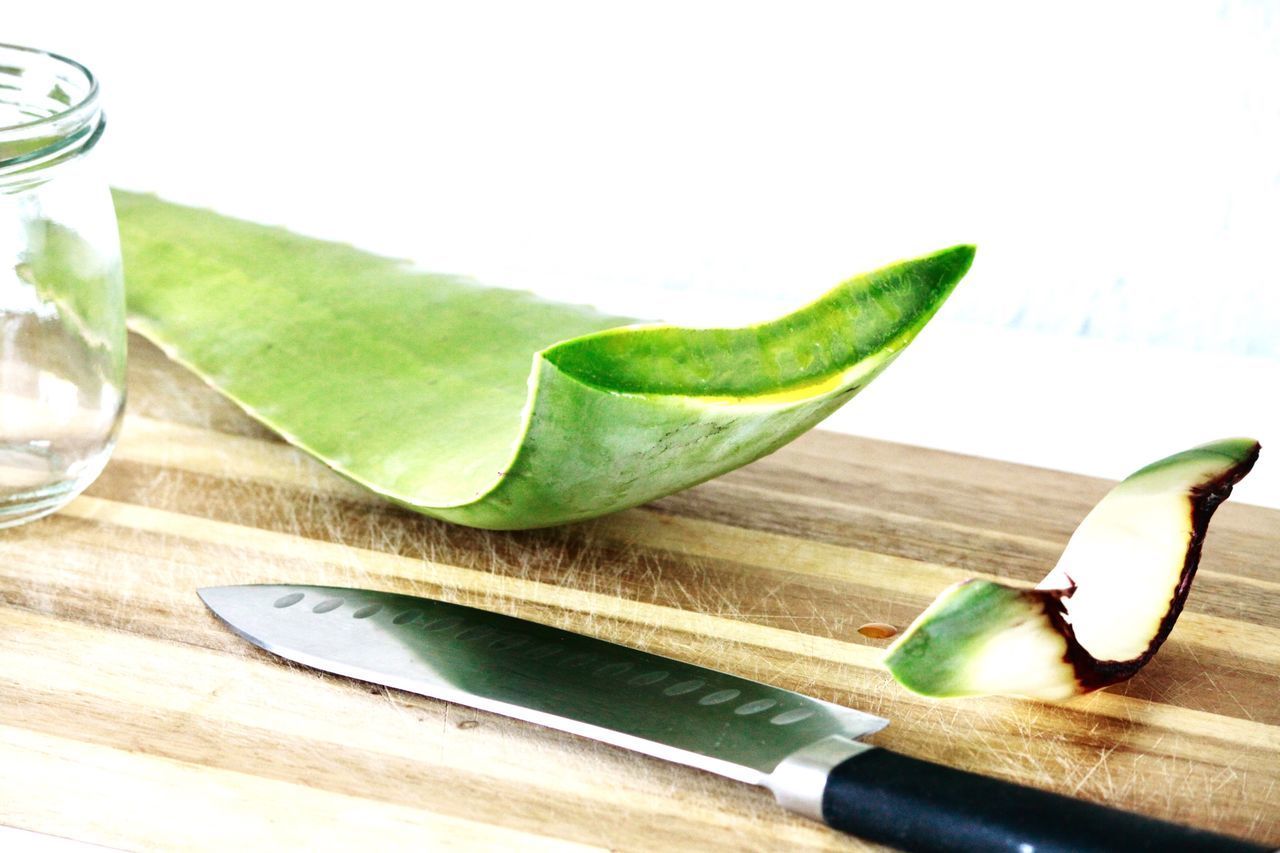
<point>806,751</point>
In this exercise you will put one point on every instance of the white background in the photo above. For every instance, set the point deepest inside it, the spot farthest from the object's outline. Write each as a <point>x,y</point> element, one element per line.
<point>1117,164</point>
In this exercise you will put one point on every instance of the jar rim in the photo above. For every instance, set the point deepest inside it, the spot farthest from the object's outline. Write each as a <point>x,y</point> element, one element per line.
<point>71,128</point>
<point>83,105</point>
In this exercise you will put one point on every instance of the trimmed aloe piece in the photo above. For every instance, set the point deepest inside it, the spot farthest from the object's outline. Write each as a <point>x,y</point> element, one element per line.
<point>490,407</point>
<point>1104,610</point>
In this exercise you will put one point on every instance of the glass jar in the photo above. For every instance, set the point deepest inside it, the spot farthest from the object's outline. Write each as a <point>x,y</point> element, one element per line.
<point>62,336</point>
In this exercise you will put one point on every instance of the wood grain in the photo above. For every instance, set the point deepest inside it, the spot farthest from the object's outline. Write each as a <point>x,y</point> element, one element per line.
<point>130,717</point>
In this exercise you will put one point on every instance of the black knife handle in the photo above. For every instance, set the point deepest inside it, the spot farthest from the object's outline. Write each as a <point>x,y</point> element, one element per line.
<point>916,805</point>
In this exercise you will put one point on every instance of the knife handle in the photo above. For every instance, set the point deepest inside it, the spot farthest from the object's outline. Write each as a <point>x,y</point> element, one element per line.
<point>916,805</point>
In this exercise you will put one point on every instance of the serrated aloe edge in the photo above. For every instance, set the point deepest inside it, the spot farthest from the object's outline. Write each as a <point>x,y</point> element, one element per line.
<point>489,407</point>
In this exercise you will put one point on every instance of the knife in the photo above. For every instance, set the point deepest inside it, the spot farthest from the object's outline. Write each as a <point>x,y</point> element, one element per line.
<point>806,751</point>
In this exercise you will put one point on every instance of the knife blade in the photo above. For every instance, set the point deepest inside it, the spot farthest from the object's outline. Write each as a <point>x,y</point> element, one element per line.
<point>806,751</point>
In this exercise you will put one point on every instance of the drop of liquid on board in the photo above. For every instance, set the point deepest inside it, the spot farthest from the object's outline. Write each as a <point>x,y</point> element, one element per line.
<point>878,630</point>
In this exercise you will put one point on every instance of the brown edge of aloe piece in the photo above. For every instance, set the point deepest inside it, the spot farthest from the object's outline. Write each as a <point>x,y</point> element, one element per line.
<point>1091,673</point>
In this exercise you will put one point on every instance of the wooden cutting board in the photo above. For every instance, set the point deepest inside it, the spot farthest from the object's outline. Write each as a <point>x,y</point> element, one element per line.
<point>129,716</point>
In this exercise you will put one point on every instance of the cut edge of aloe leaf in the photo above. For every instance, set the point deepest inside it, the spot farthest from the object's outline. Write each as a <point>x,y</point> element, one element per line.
<point>345,355</point>
<point>857,319</point>
<point>1104,610</point>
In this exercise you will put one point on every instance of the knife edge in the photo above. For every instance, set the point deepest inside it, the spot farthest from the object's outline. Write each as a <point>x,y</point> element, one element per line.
<point>316,628</point>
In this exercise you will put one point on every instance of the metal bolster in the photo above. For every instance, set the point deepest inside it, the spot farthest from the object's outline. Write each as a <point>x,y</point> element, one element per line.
<point>799,780</point>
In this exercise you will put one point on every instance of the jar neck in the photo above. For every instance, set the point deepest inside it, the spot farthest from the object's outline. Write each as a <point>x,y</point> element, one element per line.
<point>49,115</point>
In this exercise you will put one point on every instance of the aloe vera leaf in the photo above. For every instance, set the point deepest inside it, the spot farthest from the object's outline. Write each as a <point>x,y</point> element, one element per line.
<point>1103,612</point>
<point>491,407</point>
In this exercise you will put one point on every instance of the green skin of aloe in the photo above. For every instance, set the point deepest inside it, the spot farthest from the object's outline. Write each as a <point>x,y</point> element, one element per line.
<point>489,407</point>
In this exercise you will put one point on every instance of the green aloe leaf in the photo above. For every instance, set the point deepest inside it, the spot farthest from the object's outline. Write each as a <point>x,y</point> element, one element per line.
<point>491,407</point>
